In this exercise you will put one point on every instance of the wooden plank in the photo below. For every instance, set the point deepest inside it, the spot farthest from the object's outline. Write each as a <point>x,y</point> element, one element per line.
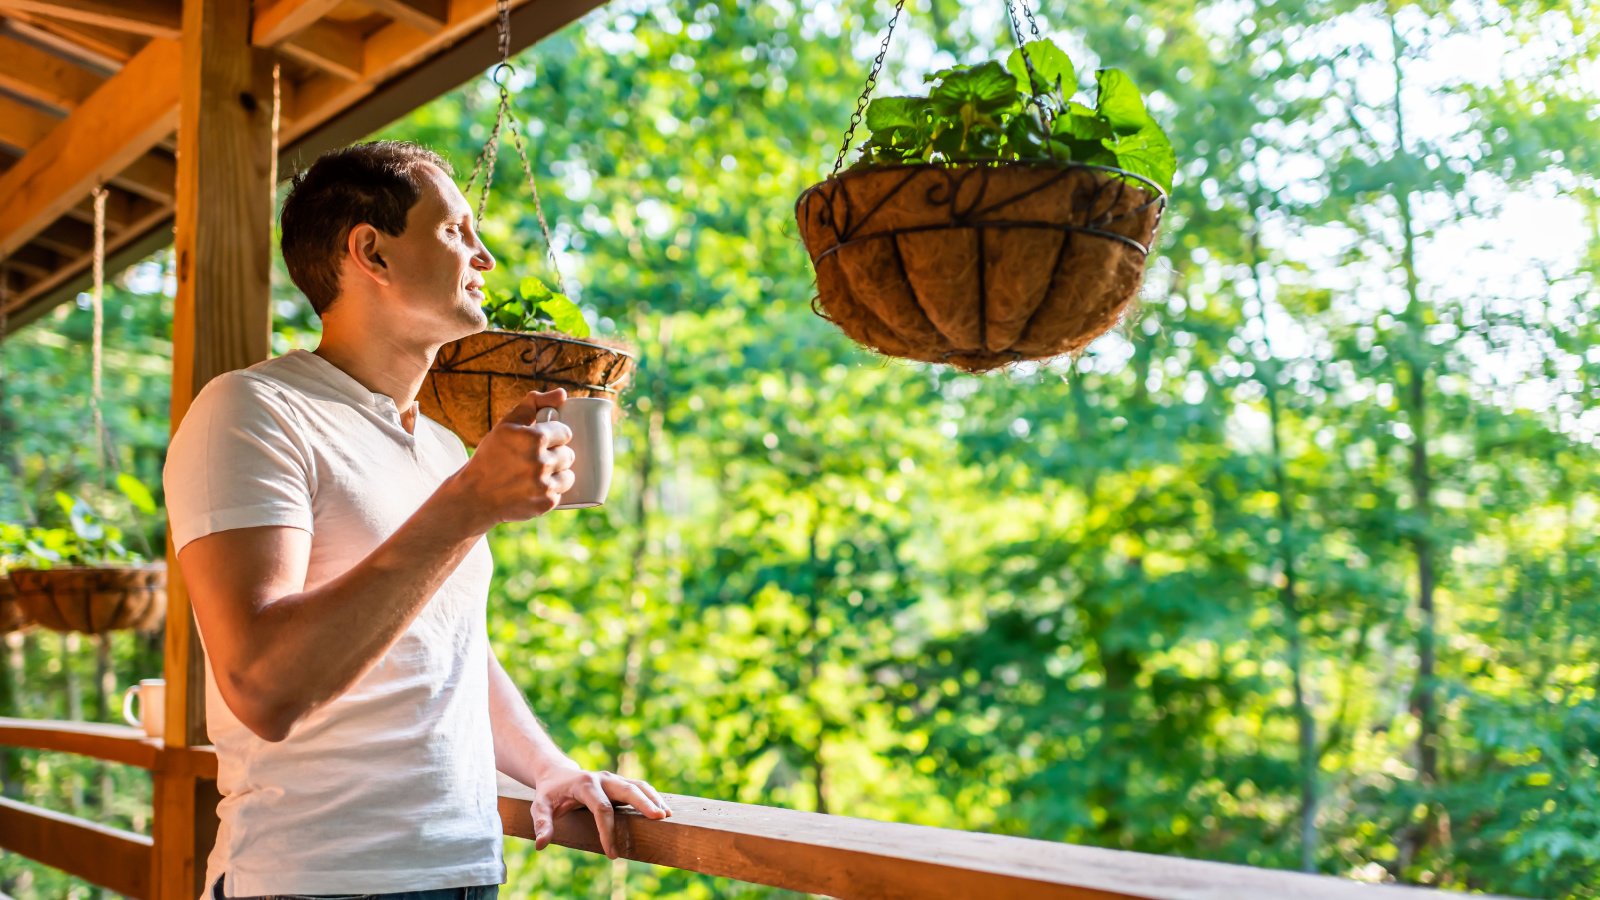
<point>66,236</point>
<point>112,129</point>
<point>123,210</point>
<point>109,857</point>
<point>22,126</point>
<point>282,20</point>
<point>34,260</point>
<point>424,15</point>
<point>112,743</point>
<point>153,176</point>
<point>106,50</point>
<point>42,77</point>
<point>846,857</point>
<point>155,18</point>
<point>222,321</point>
<point>333,48</point>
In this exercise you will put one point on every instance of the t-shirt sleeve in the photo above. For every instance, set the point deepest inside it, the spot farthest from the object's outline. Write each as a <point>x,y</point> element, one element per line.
<point>239,460</point>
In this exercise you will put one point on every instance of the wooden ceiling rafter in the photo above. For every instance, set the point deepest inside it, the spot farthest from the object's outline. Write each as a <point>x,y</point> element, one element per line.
<point>151,18</point>
<point>24,126</point>
<point>102,48</point>
<point>110,131</point>
<point>43,77</point>
<point>350,67</point>
<point>429,16</point>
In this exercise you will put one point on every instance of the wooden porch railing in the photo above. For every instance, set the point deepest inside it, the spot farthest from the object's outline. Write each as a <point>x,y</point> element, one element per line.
<point>822,854</point>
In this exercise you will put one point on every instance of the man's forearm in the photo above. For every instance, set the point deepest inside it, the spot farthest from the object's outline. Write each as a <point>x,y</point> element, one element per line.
<point>310,647</point>
<point>522,748</point>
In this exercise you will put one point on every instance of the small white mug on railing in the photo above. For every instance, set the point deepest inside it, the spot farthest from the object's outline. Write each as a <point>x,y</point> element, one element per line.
<point>152,694</point>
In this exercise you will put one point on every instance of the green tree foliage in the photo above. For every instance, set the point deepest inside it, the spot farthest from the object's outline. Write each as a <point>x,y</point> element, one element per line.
<point>1296,569</point>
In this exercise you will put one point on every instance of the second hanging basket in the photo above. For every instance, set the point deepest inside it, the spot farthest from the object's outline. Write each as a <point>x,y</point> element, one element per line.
<point>475,381</point>
<point>980,265</point>
<point>93,600</point>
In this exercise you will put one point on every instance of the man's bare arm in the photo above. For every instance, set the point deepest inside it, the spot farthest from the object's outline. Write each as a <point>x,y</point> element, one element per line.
<point>280,651</point>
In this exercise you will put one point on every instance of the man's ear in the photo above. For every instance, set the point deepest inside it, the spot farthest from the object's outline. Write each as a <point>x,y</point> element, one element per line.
<point>364,247</point>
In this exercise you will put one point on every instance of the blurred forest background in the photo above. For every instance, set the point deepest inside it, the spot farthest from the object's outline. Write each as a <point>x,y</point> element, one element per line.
<point>1300,568</point>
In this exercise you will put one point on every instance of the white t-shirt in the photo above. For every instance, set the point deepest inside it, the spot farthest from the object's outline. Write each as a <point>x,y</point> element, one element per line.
<point>390,787</point>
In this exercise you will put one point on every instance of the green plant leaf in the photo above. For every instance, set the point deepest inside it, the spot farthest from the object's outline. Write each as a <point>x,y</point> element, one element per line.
<point>891,113</point>
<point>566,315</point>
<point>1083,126</point>
<point>137,493</point>
<point>533,290</point>
<point>1051,64</point>
<point>983,91</point>
<point>1146,153</point>
<point>1120,103</point>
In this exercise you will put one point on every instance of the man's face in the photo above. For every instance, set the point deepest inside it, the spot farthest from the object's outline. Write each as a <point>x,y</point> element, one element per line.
<point>436,266</point>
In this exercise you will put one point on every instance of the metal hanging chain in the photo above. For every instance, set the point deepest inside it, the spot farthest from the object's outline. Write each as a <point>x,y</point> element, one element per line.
<point>866,92</point>
<point>505,117</point>
<point>1046,110</point>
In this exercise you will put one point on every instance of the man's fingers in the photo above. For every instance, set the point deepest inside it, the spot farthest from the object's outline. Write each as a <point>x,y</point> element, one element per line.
<point>523,413</point>
<point>543,822</point>
<point>605,818</point>
<point>633,793</point>
<point>653,794</point>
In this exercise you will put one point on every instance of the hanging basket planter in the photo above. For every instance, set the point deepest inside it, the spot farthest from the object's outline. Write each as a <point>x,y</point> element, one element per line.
<point>993,219</point>
<point>475,381</point>
<point>93,600</point>
<point>12,616</point>
<point>979,265</point>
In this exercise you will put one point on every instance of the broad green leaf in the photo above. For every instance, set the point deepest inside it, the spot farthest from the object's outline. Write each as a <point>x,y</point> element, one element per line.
<point>1120,103</point>
<point>890,113</point>
<point>1146,153</point>
<point>566,315</point>
<point>985,90</point>
<point>1082,126</point>
<point>1050,63</point>
<point>136,492</point>
<point>533,290</point>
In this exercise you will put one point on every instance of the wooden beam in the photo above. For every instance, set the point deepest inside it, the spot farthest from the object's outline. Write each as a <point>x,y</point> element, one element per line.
<point>155,18</point>
<point>153,176</point>
<point>68,237</point>
<point>34,260</point>
<point>132,243</point>
<point>22,126</point>
<point>333,48</point>
<point>113,743</point>
<point>106,50</point>
<point>109,857</point>
<point>42,77</point>
<point>284,19</point>
<point>122,210</point>
<point>112,129</point>
<point>424,15</point>
<point>838,856</point>
<point>222,321</point>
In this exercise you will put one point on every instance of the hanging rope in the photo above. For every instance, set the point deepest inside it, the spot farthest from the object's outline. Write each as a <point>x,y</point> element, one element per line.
<point>97,299</point>
<point>505,117</point>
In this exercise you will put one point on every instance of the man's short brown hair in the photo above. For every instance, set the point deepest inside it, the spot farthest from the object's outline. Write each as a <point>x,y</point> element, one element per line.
<point>375,183</point>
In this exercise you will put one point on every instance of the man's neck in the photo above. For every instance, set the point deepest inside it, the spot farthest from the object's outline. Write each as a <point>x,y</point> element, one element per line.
<point>382,363</point>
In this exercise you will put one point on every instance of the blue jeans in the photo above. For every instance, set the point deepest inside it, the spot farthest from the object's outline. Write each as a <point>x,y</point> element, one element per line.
<point>480,892</point>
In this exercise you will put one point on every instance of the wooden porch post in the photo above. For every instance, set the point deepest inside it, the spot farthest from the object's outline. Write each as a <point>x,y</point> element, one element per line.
<point>222,321</point>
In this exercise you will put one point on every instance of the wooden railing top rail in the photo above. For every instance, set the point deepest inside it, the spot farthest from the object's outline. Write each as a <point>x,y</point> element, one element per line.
<point>845,857</point>
<point>112,743</point>
<point>821,854</point>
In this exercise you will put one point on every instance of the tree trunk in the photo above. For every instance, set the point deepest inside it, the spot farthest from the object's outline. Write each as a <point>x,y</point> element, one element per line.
<point>1288,586</point>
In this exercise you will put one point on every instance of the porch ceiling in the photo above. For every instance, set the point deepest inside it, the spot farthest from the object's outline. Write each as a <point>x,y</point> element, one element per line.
<point>89,94</point>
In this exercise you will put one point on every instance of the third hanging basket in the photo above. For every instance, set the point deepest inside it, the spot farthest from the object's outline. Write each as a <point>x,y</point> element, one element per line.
<point>93,600</point>
<point>979,265</point>
<point>477,380</point>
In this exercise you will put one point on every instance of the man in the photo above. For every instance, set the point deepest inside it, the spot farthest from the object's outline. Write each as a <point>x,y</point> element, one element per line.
<point>332,541</point>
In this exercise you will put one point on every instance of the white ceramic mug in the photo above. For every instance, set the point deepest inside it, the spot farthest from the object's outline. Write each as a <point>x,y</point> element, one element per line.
<point>152,694</point>
<point>590,421</point>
